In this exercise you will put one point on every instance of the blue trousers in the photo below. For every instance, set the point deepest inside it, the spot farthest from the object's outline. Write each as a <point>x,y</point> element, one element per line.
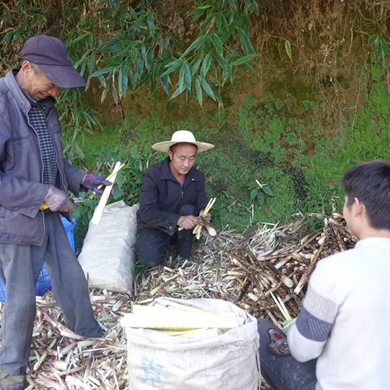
<point>19,269</point>
<point>279,369</point>
<point>152,243</point>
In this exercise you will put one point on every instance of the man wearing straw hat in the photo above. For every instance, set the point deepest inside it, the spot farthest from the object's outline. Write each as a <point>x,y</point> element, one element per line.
<point>172,198</point>
<point>35,179</point>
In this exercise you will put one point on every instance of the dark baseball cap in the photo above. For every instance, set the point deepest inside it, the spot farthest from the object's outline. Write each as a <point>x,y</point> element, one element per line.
<point>52,58</point>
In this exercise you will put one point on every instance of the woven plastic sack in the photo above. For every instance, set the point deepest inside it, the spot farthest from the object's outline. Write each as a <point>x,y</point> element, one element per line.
<point>157,360</point>
<point>107,256</point>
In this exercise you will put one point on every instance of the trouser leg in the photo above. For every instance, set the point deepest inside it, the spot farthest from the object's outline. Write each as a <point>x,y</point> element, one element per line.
<point>69,285</point>
<point>282,372</point>
<point>19,271</point>
<point>151,246</point>
<point>185,238</point>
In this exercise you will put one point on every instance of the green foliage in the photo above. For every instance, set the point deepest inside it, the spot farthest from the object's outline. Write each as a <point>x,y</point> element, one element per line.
<point>19,20</point>
<point>122,47</point>
<point>259,192</point>
<point>139,51</point>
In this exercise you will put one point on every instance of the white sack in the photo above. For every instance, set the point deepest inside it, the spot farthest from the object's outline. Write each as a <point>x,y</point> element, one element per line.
<point>107,256</point>
<point>157,360</point>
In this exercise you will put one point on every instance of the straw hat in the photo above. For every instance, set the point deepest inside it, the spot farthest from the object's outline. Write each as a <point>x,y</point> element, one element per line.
<point>182,136</point>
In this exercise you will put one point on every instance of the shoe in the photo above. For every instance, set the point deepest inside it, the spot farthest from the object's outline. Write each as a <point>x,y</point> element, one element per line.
<point>12,382</point>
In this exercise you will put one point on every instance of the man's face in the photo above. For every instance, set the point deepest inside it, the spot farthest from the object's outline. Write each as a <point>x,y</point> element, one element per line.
<point>38,86</point>
<point>182,159</point>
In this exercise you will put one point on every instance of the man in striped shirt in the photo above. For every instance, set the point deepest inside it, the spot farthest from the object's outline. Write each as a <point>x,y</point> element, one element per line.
<point>340,339</point>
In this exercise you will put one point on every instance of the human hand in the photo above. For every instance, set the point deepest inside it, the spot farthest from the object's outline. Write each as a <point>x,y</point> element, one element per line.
<point>93,182</point>
<point>58,200</point>
<point>204,219</point>
<point>187,222</point>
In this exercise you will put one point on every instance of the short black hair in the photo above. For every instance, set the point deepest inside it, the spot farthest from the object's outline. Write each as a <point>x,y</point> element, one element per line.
<point>173,147</point>
<point>370,183</point>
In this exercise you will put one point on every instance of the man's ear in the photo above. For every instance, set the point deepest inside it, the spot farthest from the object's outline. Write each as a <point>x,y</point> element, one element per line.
<point>170,154</point>
<point>26,67</point>
<point>358,207</point>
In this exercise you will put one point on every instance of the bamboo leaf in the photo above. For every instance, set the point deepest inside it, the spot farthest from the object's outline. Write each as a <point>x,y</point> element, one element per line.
<point>221,61</point>
<point>174,65</point>
<point>245,42</point>
<point>217,95</point>
<point>105,70</point>
<point>199,93</point>
<point>181,83</point>
<point>195,67</point>
<point>233,5</point>
<point>178,91</point>
<point>149,60</point>
<point>139,66</point>
<point>164,84</point>
<point>287,46</point>
<point>232,26</point>
<point>122,82</point>
<point>112,61</point>
<point>187,77</point>
<point>385,45</point>
<point>198,42</point>
<point>144,76</point>
<point>150,22</point>
<point>206,65</point>
<point>244,59</point>
<point>218,43</point>
<point>206,87</point>
<point>247,66</point>
<point>232,74</point>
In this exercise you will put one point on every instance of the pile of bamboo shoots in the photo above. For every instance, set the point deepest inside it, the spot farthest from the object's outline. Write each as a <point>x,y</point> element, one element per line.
<point>250,269</point>
<point>264,271</point>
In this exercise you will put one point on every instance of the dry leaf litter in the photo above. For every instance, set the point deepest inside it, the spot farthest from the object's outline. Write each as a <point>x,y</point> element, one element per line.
<point>242,268</point>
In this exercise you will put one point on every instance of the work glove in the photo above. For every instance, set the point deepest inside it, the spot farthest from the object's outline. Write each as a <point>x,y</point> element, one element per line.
<point>58,200</point>
<point>92,182</point>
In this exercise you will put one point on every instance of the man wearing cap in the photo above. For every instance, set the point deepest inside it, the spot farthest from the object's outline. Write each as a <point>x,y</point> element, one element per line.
<point>172,198</point>
<point>34,180</point>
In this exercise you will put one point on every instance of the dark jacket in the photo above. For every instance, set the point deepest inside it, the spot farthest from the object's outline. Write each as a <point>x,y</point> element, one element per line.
<point>21,170</point>
<point>162,196</point>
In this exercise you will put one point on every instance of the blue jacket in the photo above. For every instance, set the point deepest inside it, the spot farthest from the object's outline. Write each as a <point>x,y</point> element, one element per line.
<point>21,170</point>
<point>162,196</point>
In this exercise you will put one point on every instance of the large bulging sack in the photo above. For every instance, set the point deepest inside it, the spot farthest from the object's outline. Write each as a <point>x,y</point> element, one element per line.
<point>157,360</point>
<point>107,256</point>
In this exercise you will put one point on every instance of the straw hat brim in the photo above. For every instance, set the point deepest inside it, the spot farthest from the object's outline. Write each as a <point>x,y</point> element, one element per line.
<point>164,146</point>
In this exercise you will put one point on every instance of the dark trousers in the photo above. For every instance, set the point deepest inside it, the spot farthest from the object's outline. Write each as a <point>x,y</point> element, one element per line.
<point>152,243</point>
<point>19,269</point>
<point>283,372</point>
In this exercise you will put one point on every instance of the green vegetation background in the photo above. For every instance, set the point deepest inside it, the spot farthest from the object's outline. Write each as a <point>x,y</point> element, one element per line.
<point>317,104</point>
